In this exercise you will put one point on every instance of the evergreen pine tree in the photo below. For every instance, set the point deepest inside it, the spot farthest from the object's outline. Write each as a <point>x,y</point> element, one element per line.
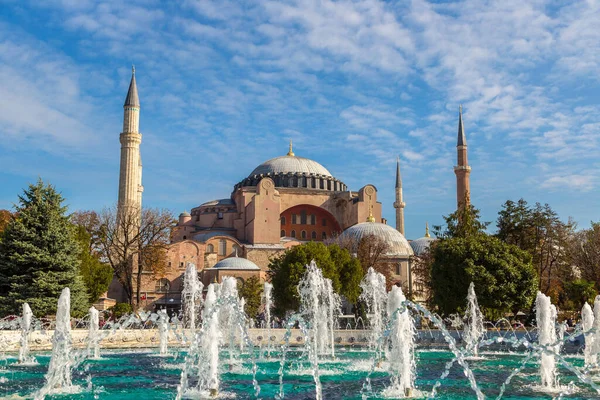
<point>39,255</point>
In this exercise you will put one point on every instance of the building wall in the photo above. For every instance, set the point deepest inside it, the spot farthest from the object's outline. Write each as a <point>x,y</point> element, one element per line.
<point>316,223</point>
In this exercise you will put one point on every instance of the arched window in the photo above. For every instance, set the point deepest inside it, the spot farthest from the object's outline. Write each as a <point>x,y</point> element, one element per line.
<point>293,234</point>
<point>303,217</point>
<point>184,237</point>
<point>162,285</point>
<point>313,235</point>
<point>210,248</point>
<point>303,234</point>
<point>237,250</point>
<point>313,219</point>
<point>282,220</point>
<point>222,247</point>
<point>282,233</point>
<point>324,236</point>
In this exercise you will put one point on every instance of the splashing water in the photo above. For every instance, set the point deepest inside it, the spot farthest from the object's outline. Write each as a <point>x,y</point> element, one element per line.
<point>267,299</point>
<point>25,325</point>
<point>401,353</point>
<point>546,321</point>
<point>192,296</point>
<point>163,331</point>
<point>375,297</point>
<point>474,328</point>
<point>58,377</point>
<point>94,334</point>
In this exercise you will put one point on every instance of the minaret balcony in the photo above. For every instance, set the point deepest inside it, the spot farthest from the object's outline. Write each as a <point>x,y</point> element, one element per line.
<point>400,204</point>
<point>458,168</point>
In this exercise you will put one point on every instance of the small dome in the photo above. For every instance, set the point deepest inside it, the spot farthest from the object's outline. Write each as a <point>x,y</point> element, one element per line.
<point>236,263</point>
<point>290,164</point>
<point>185,214</point>
<point>420,245</point>
<point>398,245</point>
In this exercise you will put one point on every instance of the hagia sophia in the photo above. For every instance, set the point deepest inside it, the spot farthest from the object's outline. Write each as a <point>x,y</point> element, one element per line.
<point>283,202</point>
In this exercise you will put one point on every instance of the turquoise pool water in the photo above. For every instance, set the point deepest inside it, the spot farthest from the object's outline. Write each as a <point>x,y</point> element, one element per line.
<point>146,375</point>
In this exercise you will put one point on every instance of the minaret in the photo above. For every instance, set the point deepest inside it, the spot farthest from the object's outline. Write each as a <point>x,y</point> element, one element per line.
<point>130,175</point>
<point>462,169</point>
<point>399,204</point>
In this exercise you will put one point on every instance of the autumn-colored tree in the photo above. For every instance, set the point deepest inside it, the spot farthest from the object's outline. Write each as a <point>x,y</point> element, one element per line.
<point>131,241</point>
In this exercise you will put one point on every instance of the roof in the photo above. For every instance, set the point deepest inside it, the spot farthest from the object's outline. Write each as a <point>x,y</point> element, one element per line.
<point>290,164</point>
<point>236,263</point>
<point>218,202</point>
<point>132,98</point>
<point>185,214</point>
<point>421,244</point>
<point>398,245</point>
<point>203,237</point>
<point>462,140</point>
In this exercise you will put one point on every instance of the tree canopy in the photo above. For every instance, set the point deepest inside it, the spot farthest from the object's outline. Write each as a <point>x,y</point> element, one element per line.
<point>39,255</point>
<point>503,275</point>
<point>95,274</point>
<point>251,290</point>
<point>336,263</point>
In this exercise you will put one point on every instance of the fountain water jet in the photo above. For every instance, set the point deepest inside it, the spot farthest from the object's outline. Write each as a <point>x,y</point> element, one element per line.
<point>163,331</point>
<point>25,324</point>
<point>267,298</point>
<point>587,323</point>
<point>474,329</point>
<point>58,377</point>
<point>375,297</point>
<point>401,354</point>
<point>546,322</point>
<point>192,296</point>
<point>94,334</point>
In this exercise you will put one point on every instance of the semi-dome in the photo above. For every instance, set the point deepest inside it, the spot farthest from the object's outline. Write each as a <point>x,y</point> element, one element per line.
<point>398,245</point>
<point>290,164</point>
<point>421,244</point>
<point>236,263</point>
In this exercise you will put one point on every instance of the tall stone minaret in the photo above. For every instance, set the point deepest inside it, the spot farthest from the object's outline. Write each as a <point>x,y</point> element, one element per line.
<point>130,176</point>
<point>399,204</point>
<point>462,169</point>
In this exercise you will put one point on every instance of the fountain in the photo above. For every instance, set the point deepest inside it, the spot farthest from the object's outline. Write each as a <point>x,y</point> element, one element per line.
<point>401,353</point>
<point>25,325</point>
<point>587,323</point>
<point>375,297</point>
<point>163,331</point>
<point>191,296</point>
<point>58,377</point>
<point>318,306</point>
<point>547,338</point>
<point>267,300</point>
<point>94,334</point>
<point>474,328</point>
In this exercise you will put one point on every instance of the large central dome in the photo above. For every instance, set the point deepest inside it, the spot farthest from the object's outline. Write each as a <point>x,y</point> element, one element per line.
<point>295,173</point>
<point>290,164</point>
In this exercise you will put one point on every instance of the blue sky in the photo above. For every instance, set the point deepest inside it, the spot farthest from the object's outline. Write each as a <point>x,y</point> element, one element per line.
<point>225,84</point>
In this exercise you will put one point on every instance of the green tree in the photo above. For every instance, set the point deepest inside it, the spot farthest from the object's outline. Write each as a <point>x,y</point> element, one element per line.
<point>39,255</point>
<point>578,292</point>
<point>584,253</point>
<point>96,274</point>
<point>503,275</point>
<point>463,222</point>
<point>539,231</point>
<point>337,264</point>
<point>251,290</point>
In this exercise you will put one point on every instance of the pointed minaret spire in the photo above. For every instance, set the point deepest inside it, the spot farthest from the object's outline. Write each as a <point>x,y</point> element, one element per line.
<point>291,152</point>
<point>399,204</point>
<point>427,230</point>
<point>462,169</point>
<point>132,98</point>
<point>462,140</point>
